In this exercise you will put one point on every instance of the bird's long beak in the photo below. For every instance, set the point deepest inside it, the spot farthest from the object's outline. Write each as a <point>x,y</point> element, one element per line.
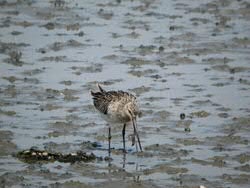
<point>136,133</point>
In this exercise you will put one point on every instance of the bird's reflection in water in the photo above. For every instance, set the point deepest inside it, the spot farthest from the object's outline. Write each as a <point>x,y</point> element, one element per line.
<point>136,176</point>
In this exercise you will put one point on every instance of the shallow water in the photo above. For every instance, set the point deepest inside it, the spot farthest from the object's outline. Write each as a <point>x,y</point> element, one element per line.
<point>188,57</point>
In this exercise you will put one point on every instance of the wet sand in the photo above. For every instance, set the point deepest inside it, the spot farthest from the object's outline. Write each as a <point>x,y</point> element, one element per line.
<point>186,61</point>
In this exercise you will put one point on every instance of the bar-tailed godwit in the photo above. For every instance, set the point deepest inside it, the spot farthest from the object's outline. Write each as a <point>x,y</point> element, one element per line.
<point>117,107</point>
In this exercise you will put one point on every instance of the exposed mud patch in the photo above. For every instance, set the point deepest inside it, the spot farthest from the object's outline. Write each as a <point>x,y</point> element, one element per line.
<point>33,156</point>
<point>200,114</point>
<point>165,169</point>
<point>189,69</point>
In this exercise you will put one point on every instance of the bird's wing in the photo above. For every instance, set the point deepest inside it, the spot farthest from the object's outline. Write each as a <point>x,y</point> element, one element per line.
<point>102,99</point>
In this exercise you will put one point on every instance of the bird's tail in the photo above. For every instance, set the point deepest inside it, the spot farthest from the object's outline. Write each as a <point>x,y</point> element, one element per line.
<point>101,90</point>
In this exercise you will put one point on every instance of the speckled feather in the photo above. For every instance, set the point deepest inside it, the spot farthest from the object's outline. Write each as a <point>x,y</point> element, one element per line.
<point>117,107</point>
<point>112,103</point>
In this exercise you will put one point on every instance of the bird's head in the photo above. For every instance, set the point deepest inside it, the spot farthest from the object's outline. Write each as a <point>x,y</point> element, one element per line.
<point>133,111</point>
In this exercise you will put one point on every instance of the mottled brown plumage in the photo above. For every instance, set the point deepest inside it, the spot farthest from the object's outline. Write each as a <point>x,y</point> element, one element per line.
<point>117,107</point>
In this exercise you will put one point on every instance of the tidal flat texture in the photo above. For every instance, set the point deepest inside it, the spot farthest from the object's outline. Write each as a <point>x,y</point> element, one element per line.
<point>187,61</point>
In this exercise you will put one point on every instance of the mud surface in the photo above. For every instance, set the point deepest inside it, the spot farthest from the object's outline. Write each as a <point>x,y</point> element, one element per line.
<point>187,61</point>
<point>34,155</point>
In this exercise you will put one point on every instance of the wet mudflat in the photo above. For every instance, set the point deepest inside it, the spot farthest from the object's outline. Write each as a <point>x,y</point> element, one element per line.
<point>187,61</point>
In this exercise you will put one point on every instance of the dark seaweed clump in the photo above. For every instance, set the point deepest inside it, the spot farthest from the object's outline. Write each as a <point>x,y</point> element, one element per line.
<point>34,155</point>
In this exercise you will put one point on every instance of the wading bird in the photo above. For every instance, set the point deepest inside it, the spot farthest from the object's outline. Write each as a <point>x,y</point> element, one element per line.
<point>117,107</point>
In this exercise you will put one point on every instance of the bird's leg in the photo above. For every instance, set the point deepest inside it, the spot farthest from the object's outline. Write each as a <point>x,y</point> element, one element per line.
<point>136,145</point>
<point>134,139</point>
<point>123,137</point>
<point>109,138</point>
<point>136,133</point>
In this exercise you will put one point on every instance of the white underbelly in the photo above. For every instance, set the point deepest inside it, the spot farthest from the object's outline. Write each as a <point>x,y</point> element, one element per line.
<point>113,118</point>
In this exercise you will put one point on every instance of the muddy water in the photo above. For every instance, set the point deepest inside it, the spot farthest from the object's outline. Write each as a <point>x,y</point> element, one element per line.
<point>188,57</point>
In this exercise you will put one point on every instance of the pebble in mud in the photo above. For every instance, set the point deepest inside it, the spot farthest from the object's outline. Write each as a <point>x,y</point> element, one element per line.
<point>161,49</point>
<point>171,28</point>
<point>16,33</point>
<point>80,34</point>
<point>66,82</point>
<point>182,116</point>
<point>49,26</point>
<point>223,115</point>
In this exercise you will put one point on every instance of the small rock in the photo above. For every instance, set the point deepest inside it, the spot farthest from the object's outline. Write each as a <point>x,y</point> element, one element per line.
<point>49,26</point>
<point>81,33</point>
<point>161,48</point>
<point>171,28</point>
<point>182,116</point>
